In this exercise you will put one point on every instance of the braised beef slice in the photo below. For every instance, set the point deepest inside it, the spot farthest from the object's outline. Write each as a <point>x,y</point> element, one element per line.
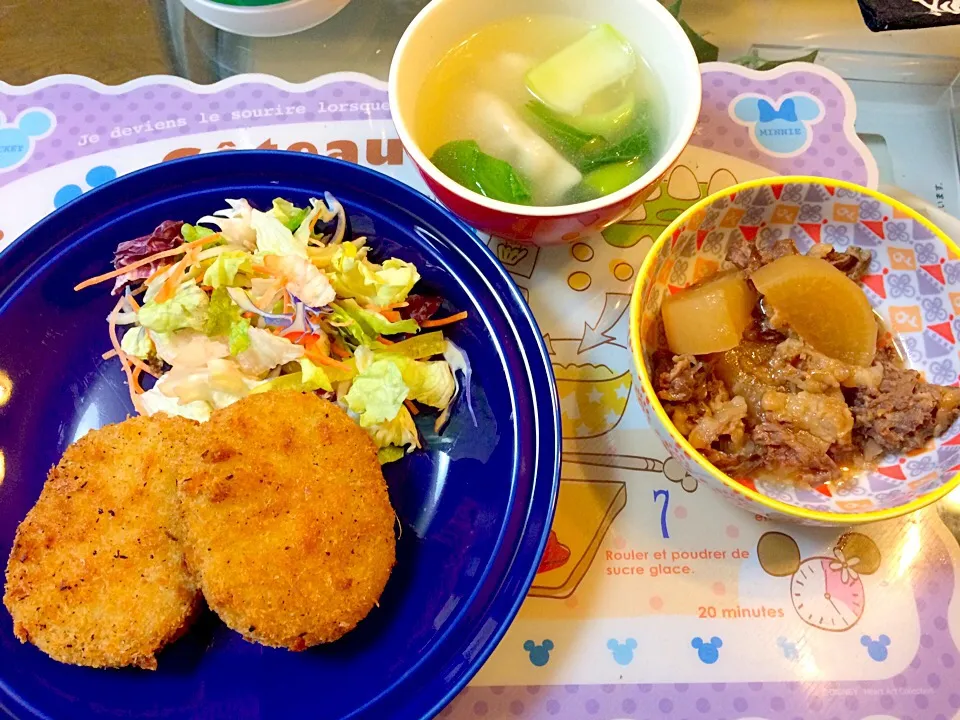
<point>742,253</point>
<point>787,447</point>
<point>852,262</point>
<point>904,412</point>
<point>749,256</point>
<point>774,250</point>
<point>680,378</point>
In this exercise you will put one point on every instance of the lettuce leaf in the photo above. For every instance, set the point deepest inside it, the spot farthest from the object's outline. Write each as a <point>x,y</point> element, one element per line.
<point>153,401</point>
<point>136,342</point>
<point>318,211</point>
<point>417,348</point>
<point>400,431</point>
<point>430,383</point>
<point>289,214</point>
<point>265,351</point>
<point>225,268</point>
<point>219,383</point>
<point>188,347</point>
<point>234,223</point>
<point>222,313</point>
<point>389,454</point>
<point>374,324</point>
<point>166,236</point>
<point>353,276</point>
<point>309,379</point>
<point>194,232</point>
<point>273,237</point>
<point>347,328</point>
<point>314,376</point>
<point>377,394</point>
<point>302,279</point>
<point>186,309</point>
<point>239,337</point>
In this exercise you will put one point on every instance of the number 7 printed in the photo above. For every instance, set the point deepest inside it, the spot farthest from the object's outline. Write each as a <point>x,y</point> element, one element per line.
<point>665,494</point>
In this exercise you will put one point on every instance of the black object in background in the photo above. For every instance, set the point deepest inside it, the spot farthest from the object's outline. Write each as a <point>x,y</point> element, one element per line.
<point>903,14</point>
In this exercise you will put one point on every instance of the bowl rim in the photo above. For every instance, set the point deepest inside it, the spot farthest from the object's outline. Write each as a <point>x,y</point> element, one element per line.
<point>685,56</point>
<point>817,516</point>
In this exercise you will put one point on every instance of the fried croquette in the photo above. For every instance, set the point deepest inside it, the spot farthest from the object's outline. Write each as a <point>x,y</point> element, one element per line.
<point>97,574</point>
<point>289,524</point>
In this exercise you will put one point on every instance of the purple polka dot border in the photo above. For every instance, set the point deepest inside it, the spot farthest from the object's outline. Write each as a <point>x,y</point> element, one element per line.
<point>832,151</point>
<point>923,690</point>
<point>168,108</point>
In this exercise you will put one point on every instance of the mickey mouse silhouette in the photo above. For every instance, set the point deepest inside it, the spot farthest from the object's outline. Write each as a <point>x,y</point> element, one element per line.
<point>779,127</point>
<point>827,592</point>
<point>790,651</point>
<point>622,653</point>
<point>709,652</point>
<point>876,649</point>
<point>674,472</point>
<point>539,654</point>
<point>17,139</point>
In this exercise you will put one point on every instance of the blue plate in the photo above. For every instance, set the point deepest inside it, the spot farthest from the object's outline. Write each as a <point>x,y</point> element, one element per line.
<point>476,507</point>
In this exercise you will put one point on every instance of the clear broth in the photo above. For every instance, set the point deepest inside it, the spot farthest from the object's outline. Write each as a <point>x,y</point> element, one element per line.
<point>495,60</point>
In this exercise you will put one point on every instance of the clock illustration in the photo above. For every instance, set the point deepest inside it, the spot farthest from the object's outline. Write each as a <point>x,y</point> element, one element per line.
<point>826,592</point>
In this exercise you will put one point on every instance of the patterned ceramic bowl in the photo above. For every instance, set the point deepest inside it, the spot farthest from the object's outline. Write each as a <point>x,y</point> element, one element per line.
<point>913,282</point>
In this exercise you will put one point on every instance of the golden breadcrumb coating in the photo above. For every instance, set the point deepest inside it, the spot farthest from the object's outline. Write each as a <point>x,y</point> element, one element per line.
<point>289,524</point>
<point>97,574</point>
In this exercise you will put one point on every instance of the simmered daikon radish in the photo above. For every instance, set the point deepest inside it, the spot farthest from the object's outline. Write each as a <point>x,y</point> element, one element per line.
<point>709,317</point>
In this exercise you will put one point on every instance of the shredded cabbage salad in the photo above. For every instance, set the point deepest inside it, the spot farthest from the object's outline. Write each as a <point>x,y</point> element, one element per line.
<point>246,302</point>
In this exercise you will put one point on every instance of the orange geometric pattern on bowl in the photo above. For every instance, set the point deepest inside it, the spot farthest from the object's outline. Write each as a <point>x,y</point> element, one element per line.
<point>914,267</point>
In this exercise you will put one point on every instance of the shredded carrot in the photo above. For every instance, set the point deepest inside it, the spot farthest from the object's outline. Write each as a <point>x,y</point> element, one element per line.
<point>384,341</point>
<point>131,382</point>
<point>339,350</point>
<point>109,354</point>
<point>133,303</point>
<point>287,302</point>
<point>396,306</point>
<point>391,315</point>
<point>153,276</point>
<point>173,252</point>
<point>302,338</point>
<point>172,283</point>
<point>248,315</point>
<point>444,321</point>
<point>411,407</point>
<point>139,365</point>
<point>136,381</point>
<point>322,359</point>
<point>260,269</point>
